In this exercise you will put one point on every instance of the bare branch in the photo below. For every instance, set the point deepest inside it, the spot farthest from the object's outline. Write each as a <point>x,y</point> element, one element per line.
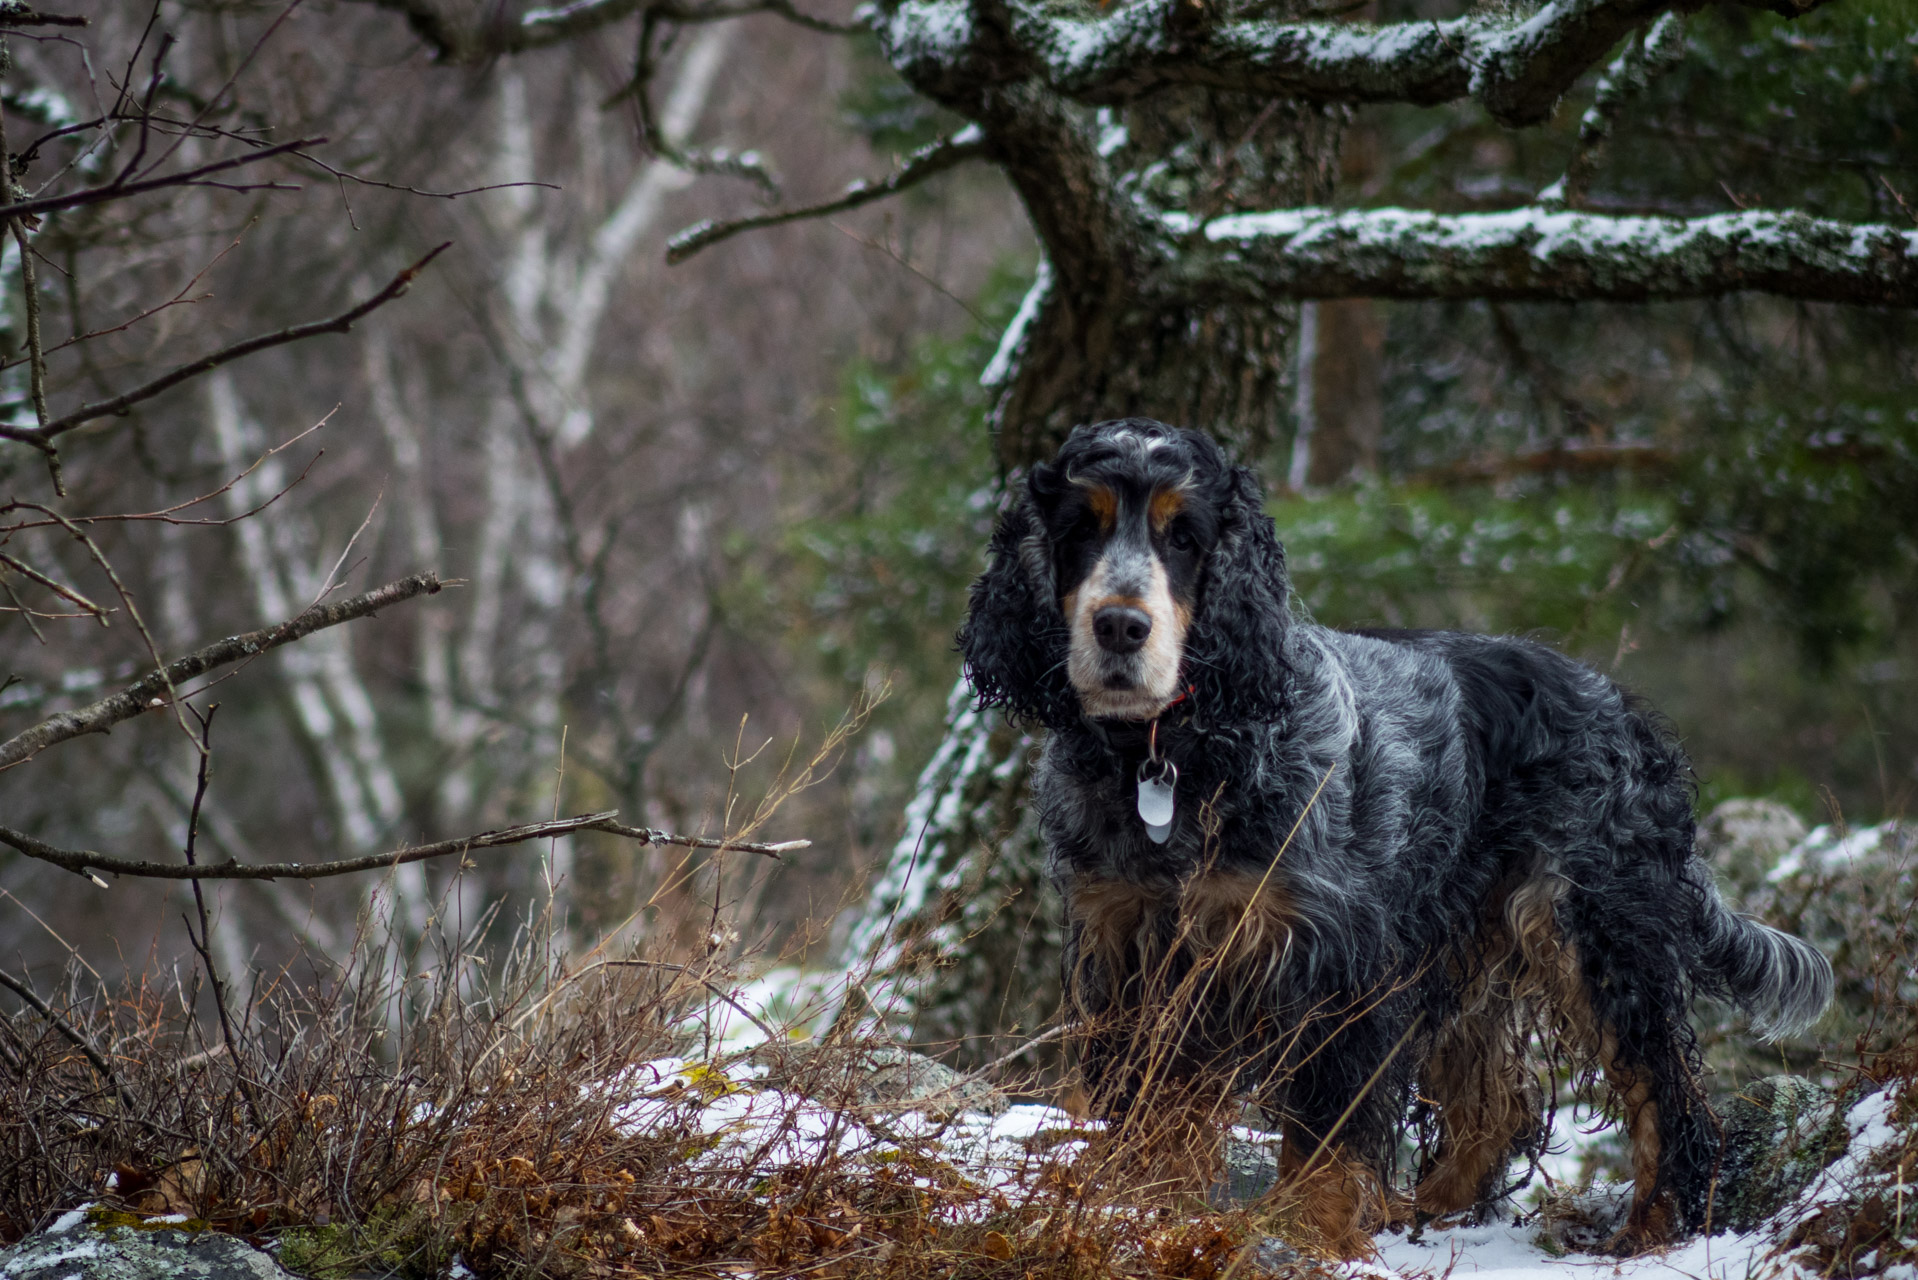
<point>650,835</point>
<point>935,158</point>
<point>15,14</point>
<point>121,190</point>
<point>61,1025</point>
<point>1539,255</point>
<point>1517,69</point>
<point>58,588</point>
<point>84,862</point>
<point>150,691</point>
<point>42,436</point>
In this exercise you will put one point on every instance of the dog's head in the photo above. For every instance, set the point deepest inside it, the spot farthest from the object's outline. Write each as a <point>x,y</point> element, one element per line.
<point>1136,566</point>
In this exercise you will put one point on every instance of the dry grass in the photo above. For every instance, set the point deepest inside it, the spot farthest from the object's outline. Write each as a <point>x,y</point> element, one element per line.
<point>376,1118</point>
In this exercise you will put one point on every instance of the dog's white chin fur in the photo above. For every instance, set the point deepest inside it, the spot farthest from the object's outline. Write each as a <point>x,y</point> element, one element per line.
<point>1123,704</point>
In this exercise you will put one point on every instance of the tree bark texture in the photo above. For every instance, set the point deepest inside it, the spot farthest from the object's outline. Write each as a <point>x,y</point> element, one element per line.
<point>961,936</point>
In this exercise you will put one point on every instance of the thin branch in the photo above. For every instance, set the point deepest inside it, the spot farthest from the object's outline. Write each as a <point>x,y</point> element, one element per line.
<point>83,862</point>
<point>772,1037</point>
<point>203,941</point>
<point>968,144</point>
<point>61,1025</point>
<point>119,404</point>
<point>121,190</point>
<point>150,691</point>
<point>58,588</point>
<point>650,835</point>
<point>1540,255</point>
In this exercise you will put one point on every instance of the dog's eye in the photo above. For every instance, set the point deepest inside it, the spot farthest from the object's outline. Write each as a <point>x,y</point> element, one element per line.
<point>1182,540</point>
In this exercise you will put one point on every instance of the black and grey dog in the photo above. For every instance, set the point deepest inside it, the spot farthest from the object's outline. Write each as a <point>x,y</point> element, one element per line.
<point>1374,862</point>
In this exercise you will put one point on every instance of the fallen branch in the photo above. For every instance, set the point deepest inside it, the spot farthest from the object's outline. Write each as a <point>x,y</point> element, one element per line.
<point>85,862</point>
<point>40,437</point>
<point>151,691</point>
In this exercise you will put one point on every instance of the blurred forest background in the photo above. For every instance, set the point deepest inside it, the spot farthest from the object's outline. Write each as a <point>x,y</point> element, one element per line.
<point>704,507</point>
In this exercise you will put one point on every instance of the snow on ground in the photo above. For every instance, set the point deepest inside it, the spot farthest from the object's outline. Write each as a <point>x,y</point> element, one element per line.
<point>1506,1252</point>
<point>745,1123</point>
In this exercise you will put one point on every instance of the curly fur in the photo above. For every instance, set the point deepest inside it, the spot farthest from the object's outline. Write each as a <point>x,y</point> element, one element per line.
<point>1435,839</point>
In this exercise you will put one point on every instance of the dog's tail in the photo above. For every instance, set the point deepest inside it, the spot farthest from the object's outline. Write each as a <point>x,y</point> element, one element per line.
<point>1782,982</point>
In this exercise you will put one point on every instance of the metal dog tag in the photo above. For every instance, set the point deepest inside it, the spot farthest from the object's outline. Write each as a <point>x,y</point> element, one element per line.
<point>1156,801</point>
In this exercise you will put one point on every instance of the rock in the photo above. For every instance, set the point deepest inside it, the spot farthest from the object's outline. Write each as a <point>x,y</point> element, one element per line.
<point>1780,1132</point>
<point>1582,1221</point>
<point>1251,1170</point>
<point>881,1078</point>
<point>1746,839</point>
<point>97,1244</point>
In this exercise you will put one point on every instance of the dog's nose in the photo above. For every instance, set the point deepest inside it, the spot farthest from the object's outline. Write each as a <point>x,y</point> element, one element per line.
<point>1119,628</point>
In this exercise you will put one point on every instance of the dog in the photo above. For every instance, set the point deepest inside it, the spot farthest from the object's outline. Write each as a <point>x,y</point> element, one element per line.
<point>1373,865</point>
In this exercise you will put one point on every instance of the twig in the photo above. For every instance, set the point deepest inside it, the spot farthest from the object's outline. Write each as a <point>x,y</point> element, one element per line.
<point>120,190</point>
<point>649,835</point>
<point>710,985</point>
<point>36,355</point>
<point>149,692</point>
<point>64,1027</point>
<point>203,943</point>
<point>1044,1037</point>
<point>83,861</point>
<point>342,323</point>
<point>968,144</point>
<point>59,589</point>
<point>886,248</point>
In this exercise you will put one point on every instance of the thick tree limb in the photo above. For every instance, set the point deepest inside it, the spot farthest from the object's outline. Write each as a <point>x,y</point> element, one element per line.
<point>466,41</point>
<point>84,862</point>
<point>930,160</point>
<point>40,437</point>
<point>154,689</point>
<point>1537,255</point>
<point>1518,70</point>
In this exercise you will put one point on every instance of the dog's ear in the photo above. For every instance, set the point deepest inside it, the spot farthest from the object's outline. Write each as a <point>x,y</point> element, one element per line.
<point>1014,637</point>
<point>1236,649</point>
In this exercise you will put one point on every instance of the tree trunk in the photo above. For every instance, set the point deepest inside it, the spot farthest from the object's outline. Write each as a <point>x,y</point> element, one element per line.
<point>961,934</point>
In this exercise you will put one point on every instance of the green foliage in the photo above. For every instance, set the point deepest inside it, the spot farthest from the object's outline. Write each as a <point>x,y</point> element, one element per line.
<point>1811,113</point>
<point>1468,558</point>
<point>400,1244</point>
<point>884,110</point>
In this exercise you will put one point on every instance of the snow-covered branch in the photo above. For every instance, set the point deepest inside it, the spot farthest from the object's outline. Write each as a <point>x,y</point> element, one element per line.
<point>1540,255</point>
<point>463,40</point>
<point>1517,69</point>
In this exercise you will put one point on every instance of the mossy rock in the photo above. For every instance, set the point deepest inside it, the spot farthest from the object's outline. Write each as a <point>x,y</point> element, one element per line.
<point>1780,1133</point>
<point>103,1245</point>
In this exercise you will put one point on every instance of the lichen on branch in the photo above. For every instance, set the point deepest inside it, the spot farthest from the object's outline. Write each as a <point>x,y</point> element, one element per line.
<point>1535,254</point>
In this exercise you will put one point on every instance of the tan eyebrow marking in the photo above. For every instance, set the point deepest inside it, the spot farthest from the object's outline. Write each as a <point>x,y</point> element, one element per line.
<point>1166,503</point>
<point>1105,505</point>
